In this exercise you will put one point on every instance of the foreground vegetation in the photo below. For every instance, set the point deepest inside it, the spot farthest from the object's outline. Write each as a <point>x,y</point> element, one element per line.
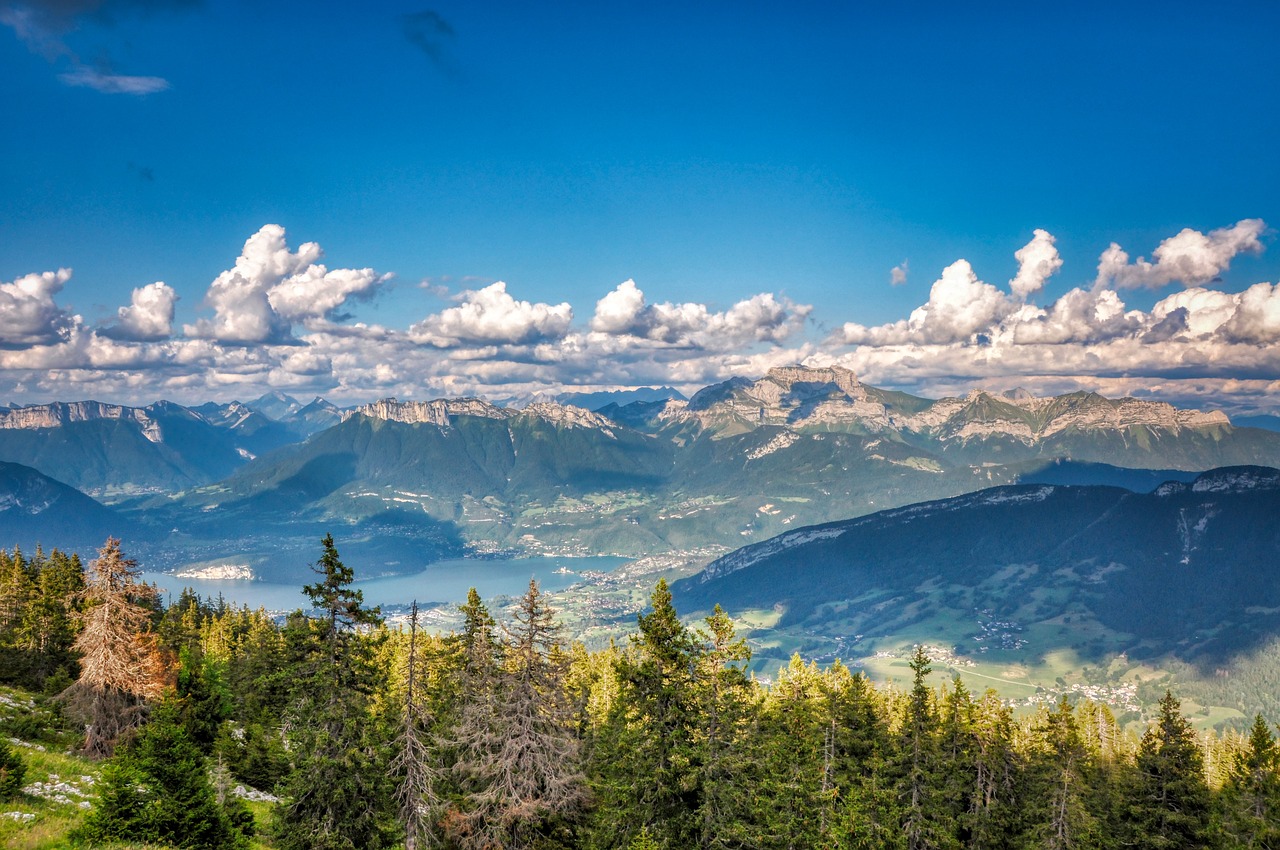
<point>500,735</point>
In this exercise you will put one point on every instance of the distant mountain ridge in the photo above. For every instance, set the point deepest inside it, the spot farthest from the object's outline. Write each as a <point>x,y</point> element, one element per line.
<point>116,450</point>
<point>35,509</point>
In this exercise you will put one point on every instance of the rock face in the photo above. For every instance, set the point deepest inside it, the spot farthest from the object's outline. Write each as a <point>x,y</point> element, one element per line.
<point>112,449</point>
<point>59,413</point>
<point>442,412</point>
<point>439,412</point>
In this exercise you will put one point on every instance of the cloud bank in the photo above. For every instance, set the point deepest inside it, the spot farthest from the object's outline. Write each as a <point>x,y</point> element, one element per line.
<point>280,318</point>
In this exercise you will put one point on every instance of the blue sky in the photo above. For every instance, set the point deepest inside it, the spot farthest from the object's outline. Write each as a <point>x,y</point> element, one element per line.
<point>713,153</point>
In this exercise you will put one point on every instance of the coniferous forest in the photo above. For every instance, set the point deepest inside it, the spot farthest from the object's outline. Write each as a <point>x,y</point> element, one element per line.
<point>506,735</point>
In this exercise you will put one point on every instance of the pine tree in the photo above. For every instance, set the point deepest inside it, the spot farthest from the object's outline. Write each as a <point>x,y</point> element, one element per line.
<point>793,794</point>
<point>1059,814</point>
<point>120,664</point>
<point>49,628</point>
<point>927,822</point>
<point>1252,791</point>
<point>642,755</point>
<point>1171,802</point>
<point>12,771</point>
<point>726,706</point>
<point>157,789</point>
<point>336,794</point>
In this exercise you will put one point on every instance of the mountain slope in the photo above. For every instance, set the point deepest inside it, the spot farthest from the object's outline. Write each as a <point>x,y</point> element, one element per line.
<point>1191,569</point>
<point>37,509</point>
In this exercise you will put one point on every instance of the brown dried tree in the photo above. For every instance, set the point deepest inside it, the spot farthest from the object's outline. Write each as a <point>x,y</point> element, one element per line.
<point>120,664</point>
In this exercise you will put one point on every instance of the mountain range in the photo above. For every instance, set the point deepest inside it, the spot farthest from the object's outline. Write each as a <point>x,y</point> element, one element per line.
<point>737,462</point>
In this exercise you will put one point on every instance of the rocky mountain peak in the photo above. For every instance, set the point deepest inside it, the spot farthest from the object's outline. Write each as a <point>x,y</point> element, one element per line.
<point>569,416</point>
<point>438,412</point>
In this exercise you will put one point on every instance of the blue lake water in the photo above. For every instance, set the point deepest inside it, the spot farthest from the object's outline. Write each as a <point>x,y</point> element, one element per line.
<point>443,581</point>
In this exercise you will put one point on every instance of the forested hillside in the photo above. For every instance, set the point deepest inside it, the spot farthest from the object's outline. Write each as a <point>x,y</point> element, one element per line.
<point>501,735</point>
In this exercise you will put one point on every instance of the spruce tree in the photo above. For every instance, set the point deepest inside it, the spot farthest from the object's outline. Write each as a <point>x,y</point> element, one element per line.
<point>1252,791</point>
<point>1171,805</point>
<point>1058,777</point>
<point>336,796</point>
<point>643,754</point>
<point>419,782</point>
<point>927,822</point>
<point>726,707</point>
<point>156,789</point>
<point>518,755</point>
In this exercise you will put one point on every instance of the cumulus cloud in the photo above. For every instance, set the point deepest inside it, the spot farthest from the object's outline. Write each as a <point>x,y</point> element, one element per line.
<point>491,316</point>
<point>270,288</point>
<point>898,274</point>
<point>1038,260</point>
<point>1190,257</point>
<point>28,313</point>
<point>762,318</point>
<point>959,306</point>
<point>149,315</point>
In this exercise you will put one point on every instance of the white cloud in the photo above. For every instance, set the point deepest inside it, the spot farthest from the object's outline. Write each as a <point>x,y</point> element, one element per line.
<point>960,306</point>
<point>760,318</point>
<point>490,315</point>
<point>107,83</point>
<point>1190,257</point>
<point>898,274</point>
<point>1257,316</point>
<point>149,316</point>
<point>621,311</point>
<point>1038,260</point>
<point>271,287</point>
<point>28,313</point>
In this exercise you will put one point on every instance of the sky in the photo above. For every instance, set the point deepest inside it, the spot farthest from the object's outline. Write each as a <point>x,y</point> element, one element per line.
<point>209,200</point>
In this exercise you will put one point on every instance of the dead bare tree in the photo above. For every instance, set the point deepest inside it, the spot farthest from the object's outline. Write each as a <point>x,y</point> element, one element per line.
<point>518,755</point>
<point>120,664</point>
<point>417,793</point>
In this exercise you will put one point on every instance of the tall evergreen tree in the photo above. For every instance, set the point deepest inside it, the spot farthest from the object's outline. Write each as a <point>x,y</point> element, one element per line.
<point>726,706</point>
<point>1171,805</point>
<point>927,821</point>
<point>1252,792</point>
<point>336,796</point>
<point>518,754</point>
<point>643,755</point>
<point>1059,815</point>
<point>419,781</point>
<point>795,790</point>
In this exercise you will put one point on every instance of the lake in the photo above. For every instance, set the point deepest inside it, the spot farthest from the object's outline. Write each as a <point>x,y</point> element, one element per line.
<point>443,581</point>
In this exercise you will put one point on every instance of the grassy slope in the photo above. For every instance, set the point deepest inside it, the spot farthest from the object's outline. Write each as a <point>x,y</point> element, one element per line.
<point>55,812</point>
